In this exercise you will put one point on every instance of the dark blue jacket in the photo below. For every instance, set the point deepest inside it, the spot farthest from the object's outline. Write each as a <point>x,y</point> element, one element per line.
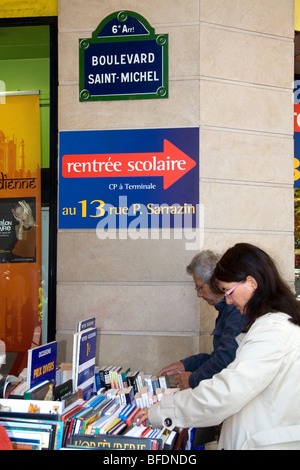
<point>229,324</point>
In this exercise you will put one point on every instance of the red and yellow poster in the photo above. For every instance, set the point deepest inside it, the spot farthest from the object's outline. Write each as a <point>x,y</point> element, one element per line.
<point>20,222</point>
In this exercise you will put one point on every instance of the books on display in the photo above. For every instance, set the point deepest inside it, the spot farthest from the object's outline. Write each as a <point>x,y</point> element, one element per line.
<point>45,408</point>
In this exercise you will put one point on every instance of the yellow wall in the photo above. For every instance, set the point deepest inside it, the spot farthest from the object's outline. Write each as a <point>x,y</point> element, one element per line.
<point>297,15</point>
<point>27,8</point>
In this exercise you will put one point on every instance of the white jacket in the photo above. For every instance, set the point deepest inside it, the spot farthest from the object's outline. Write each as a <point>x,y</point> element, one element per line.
<point>257,397</point>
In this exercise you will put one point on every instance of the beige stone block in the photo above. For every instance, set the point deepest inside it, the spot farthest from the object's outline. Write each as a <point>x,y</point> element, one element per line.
<point>247,207</point>
<point>88,15</point>
<point>143,308</point>
<point>239,107</point>
<point>82,257</point>
<point>184,50</point>
<point>280,246</point>
<point>265,16</point>
<point>68,55</point>
<point>143,353</point>
<point>147,353</point>
<point>246,157</point>
<point>236,55</point>
<point>179,110</point>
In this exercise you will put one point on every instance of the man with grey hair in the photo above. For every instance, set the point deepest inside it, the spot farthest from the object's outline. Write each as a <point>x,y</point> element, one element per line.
<point>190,371</point>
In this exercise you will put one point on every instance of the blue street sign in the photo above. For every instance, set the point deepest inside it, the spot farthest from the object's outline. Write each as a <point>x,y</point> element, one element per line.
<point>124,59</point>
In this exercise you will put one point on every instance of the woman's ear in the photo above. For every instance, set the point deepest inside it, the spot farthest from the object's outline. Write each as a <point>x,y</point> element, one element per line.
<point>252,282</point>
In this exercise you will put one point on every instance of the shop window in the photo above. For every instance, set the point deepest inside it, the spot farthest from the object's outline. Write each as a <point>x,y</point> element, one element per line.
<point>28,66</point>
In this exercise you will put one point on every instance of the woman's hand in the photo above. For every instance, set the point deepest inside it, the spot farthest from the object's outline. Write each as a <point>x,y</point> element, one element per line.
<point>141,416</point>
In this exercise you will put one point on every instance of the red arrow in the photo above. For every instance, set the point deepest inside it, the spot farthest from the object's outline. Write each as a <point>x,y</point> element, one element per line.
<point>172,164</point>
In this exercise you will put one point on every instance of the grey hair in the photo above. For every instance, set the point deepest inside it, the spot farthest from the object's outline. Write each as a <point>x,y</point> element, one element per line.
<point>203,265</point>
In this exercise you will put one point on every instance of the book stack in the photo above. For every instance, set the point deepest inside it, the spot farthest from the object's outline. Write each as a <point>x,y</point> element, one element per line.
<point>104,421</point>
<point>32,425</point>
<point>107,420</point>
<point>147,389</point>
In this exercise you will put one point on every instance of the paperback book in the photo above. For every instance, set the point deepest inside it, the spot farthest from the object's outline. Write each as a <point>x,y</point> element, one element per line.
<point>84,357</point>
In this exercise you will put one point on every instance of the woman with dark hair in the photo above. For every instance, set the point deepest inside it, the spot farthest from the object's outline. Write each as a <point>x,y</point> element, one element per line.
<point>257,395</point>
<point>250,267</point>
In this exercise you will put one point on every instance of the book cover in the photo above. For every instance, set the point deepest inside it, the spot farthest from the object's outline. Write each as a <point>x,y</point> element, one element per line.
<point>115,442</point>
<point>41,391</point>
<point>18,391</point>
<point>63,373</point>
<point>47,430</point>
<point>14,405</point>
<point>86,324</point>
<point>84,357</point>
<point>8,384</point>
<point>62,390</point>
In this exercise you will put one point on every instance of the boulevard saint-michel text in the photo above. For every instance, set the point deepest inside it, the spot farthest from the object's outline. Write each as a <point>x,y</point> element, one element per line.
<point>123,77</point>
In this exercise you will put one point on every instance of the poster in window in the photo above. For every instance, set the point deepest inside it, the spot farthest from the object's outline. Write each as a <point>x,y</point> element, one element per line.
<point>20,222</point>
<point>18,230</point>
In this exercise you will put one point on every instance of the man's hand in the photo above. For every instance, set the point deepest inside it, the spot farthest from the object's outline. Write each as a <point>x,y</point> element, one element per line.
<point>182,380</point>
<point>172,369</point>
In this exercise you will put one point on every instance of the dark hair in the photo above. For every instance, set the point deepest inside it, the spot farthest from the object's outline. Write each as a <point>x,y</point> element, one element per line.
<point>272,293</point>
